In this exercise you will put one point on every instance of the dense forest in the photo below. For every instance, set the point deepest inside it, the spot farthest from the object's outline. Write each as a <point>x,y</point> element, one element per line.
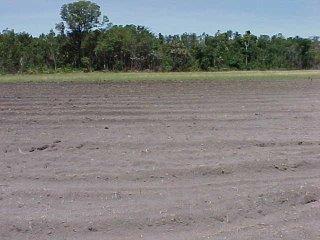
<point>86,40</point>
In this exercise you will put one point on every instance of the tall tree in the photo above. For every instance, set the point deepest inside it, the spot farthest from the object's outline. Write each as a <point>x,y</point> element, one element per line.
<point>81,17</point>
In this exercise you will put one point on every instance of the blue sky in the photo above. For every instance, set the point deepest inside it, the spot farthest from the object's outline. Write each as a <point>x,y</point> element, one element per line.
<point>290,17</point>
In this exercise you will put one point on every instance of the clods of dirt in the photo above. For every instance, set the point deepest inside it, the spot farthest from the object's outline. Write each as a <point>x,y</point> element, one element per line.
<point>44,147</point>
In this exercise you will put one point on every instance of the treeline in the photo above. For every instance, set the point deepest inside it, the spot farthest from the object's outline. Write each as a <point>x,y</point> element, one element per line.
<point>90,44</point>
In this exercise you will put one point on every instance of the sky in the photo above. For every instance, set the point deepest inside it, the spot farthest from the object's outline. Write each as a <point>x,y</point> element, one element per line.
<point>289,17</point>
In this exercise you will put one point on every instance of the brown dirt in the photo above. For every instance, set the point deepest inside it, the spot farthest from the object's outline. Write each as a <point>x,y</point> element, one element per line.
<point>160,161</point>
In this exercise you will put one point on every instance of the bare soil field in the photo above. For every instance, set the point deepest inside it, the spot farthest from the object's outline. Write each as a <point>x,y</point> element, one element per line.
<point>160,160</point>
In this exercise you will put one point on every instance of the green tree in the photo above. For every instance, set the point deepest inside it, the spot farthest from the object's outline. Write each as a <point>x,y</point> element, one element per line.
<point>127,48</point>
<point>85,40</point>
<point>81,17</point>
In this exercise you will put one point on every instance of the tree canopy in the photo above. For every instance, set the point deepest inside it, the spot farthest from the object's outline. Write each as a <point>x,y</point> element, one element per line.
<point>81,16</point>
<point>86,40</point>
